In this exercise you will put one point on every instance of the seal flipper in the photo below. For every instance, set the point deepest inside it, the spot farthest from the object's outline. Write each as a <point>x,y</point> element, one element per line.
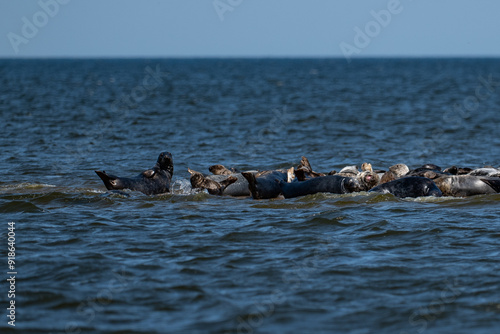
<point>494,184</point>
<point>290,174</point>
<point>251,183</point>
<point>149,173</point>
<point>304,162</point>
<point>304,170</point>
<point>226,183</point>
<point>300,174</point>
<point>109,180</point>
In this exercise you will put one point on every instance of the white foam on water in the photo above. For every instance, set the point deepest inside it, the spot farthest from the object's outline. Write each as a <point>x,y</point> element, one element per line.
<point>26,185</point>
<point>182,187</point>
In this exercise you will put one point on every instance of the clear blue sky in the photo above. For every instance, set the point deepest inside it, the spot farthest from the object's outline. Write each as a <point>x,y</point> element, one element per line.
<point>176,28</point>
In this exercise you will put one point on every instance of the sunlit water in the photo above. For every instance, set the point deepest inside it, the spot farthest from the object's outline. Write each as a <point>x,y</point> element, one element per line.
<point>93,261</point>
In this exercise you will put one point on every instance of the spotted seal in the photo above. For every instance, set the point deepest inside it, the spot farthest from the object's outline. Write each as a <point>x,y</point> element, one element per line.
<point>221,170</point>
<point>200,181</point>
<point>394,172</point>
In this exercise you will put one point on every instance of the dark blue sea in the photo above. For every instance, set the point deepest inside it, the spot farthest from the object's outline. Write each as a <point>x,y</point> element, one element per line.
<point>93,261</point>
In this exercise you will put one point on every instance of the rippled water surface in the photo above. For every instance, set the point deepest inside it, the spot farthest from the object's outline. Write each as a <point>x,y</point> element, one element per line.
<point>92,261</point>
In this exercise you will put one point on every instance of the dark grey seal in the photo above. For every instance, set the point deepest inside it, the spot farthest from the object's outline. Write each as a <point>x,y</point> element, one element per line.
<point>334,184</point>
<point>411,186</point>
<point>425,170</point>
<point>454,170</point>
<point>265,185</point>
<point>150,182</point>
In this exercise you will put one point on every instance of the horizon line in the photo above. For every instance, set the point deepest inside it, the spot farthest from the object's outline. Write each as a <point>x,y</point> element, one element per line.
<point>257,57</point>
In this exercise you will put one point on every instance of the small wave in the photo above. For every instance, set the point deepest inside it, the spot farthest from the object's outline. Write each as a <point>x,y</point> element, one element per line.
<point>195,196</point>
<point>25,185</point>
<point>92,191</point>
<point>118,193</point>
<point>20,206</point>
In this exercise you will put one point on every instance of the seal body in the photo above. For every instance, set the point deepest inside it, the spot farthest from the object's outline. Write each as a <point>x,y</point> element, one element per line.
<point>349,171</point>
<point>454,170</point>
<point>153,181</point>
<point>486,171</point>
<point>265,185</point>
<point>235,189</point>
<point>394,172</point>
<point>221,170</point>
<point>426,169</point>
<point>467,185</point>
<point>233,184</point>
<point>334,184</point>
<point>411,186</point>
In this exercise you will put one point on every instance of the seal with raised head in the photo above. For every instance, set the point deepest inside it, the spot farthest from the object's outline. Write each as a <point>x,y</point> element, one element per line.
<point>221,170</point>
<point>150,182</point>
<point>199,181</point>
<point>410,186</point>
<point>394,172</point>
<point>368,179</point>
<point>236,188</point>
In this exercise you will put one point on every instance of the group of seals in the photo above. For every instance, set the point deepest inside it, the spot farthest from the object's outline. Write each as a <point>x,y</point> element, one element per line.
<point>399,180</point>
